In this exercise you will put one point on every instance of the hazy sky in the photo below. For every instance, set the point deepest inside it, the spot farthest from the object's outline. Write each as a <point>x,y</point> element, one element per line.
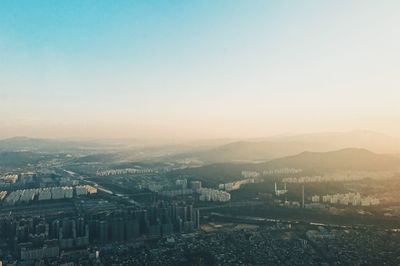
<point>199,69</point>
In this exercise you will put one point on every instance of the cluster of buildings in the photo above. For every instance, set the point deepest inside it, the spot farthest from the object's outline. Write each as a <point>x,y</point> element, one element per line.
<point>3,194</point>
<point>36,238</point>
<point>280,192</point>
<point>84,190</point>
<point>209,194</point>
<point>237,184</point>
<point>40,178</point>
<point>247,246</point>
<point>353,199</point>
<point>205,194</point>
<point>250,174</point>
<point>51,193</point>
<point>184,184</point>
<point>27,177</point>
<point>7,179</point>
<point>161,219</point>
<point>325,178</point>
<point>195,185</point>
<point>181,183</point>
<point>183,188</point>
<point>282,171</point>
<point>304,179</point>
<point>124,171</point>
<point>373,246</point>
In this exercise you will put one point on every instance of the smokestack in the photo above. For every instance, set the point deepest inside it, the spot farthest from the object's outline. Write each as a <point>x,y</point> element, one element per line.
<point>302,197</point>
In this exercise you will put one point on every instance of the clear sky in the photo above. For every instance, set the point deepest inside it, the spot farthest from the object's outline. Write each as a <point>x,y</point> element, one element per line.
<point>198,69</point>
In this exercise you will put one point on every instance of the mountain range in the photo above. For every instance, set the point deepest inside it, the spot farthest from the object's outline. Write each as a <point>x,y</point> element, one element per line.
<point>45,145</point>
<point>350,159</point>
<point>281,146</point>
<point>215,151</point>
<point>345,159</point>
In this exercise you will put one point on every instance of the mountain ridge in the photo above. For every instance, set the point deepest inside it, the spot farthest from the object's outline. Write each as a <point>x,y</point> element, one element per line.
<point>281,146</point>
<point>348,159</point>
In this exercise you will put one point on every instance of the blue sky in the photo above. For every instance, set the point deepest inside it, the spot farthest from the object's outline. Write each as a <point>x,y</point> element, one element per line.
<point>198,69</point>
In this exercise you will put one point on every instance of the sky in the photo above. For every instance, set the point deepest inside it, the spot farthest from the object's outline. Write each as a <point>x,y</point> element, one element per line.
<point>198,69</point>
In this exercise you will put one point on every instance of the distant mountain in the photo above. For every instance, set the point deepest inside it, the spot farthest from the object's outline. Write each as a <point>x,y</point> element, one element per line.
<point>133,149</point>
<point>217,151</point>
<point>346,159</point>
<point>44,145</point>
<point>340,160</point>
<point>275,147</point>
<point>370,140</point>
<point>245,151</point>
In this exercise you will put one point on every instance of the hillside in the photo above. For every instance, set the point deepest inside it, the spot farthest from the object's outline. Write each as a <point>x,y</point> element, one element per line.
<point>247,151</point>
<point>257,150</point>
<point>346,159</point>
<point>9,159</point>
<point>370,140</point>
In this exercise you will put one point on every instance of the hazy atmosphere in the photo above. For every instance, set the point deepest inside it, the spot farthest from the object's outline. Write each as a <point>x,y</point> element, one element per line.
<point>199,132</point>
<point>198,69</point>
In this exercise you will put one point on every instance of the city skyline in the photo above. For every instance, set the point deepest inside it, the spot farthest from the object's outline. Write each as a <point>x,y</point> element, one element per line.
<point>199,69</point>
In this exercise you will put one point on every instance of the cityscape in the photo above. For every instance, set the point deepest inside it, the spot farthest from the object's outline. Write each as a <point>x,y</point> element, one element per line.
<point>199,133</point>
<point>79,211</point>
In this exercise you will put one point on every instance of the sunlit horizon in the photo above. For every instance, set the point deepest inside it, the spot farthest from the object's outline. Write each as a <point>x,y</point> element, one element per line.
<point>198,70</point>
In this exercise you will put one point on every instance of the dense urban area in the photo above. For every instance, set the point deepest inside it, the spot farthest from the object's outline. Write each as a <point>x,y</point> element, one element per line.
<point>199,133</point>
<point>93,208</point>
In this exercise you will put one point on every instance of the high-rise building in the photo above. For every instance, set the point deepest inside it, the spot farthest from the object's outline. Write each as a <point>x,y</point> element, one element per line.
<point>189,213</point>
<point>131,228</point>
<point>195,185</point>
<point>55,229</point>
<point>196,218</point>
<point>117,229</point>
<point>102,231</point>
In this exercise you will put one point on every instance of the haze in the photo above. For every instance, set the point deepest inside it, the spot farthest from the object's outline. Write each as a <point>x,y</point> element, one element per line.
<point>198,69</point>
